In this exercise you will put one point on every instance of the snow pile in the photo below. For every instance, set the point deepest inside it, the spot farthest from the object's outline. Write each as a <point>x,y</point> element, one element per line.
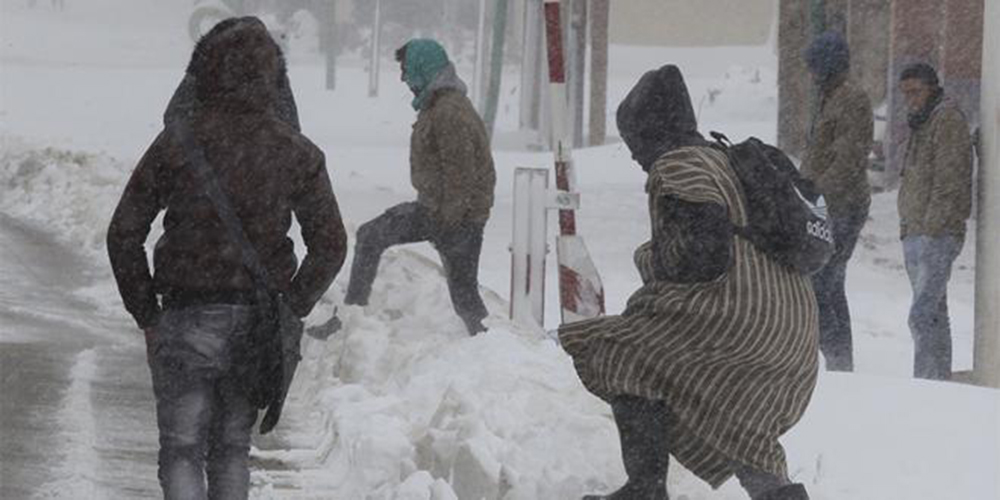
<point>402,403</point>
<point>70,194</point>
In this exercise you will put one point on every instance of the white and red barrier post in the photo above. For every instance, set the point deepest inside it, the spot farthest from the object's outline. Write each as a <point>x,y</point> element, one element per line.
<point>581,293</point>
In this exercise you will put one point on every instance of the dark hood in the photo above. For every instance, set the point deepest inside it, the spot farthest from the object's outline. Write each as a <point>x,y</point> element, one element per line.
<point>657,116</point>
<point>237,66</point>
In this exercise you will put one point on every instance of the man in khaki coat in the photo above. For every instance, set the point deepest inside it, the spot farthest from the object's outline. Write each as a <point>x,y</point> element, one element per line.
<point>837,161</point>
<point>935,199</point>
<point>451,168</point>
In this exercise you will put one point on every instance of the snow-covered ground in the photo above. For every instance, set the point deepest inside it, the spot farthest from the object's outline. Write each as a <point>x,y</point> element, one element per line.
<point>402,404</point>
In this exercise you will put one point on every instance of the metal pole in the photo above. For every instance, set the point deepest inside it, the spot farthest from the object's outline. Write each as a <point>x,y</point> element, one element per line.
<point>577,66</point>
<point>986,362</point>
<point>530,103</point>
<point>373,64</point>
<point>496,64</point>
<point>598,71</point>
<point>477,73</point>
<point>329,36</point>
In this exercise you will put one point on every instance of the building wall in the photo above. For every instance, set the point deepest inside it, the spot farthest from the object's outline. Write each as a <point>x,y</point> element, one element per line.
<point>692,22</point>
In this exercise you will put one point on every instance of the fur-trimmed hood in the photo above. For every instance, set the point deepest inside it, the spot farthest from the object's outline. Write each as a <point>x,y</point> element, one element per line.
<point>238,66</point>
<point>250,93</point>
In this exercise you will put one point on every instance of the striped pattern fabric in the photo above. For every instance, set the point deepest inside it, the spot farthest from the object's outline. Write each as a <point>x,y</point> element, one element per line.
<point>735,358</point>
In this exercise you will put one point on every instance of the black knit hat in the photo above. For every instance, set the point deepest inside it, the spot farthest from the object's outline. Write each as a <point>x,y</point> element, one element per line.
<point>920,71</point>
<point>828,55</point>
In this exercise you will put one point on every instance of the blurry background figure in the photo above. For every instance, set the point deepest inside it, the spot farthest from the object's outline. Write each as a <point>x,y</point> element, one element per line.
<point>836,159</point>
<point>935,200</point>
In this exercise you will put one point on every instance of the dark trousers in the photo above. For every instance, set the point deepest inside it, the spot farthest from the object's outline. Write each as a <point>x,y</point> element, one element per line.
<point>643,429</point>
<point>835,340</point>
<point>202,412</point>
<point>410,223</point>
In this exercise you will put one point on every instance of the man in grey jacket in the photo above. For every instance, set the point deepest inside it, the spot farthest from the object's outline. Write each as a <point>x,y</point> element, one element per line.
<point>935,199</point>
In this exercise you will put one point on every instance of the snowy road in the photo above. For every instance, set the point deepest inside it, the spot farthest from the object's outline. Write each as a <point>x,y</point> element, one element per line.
<point>76,405</point>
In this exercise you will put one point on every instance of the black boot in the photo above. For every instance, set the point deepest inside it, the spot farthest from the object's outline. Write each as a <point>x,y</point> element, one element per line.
<point>789,492</point>
<point>642,428</point>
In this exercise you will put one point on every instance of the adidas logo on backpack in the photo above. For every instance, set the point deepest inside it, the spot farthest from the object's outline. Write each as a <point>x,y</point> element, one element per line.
<point>787,217</point>
<point>819,230</point>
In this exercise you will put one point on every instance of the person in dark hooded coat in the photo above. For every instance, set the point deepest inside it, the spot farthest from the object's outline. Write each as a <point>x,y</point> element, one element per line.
<point>837,161</point>
<point>715,355</point>
<point>196,308</point>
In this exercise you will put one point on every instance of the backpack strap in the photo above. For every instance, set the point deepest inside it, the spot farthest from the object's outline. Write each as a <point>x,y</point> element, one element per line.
<point>723,144</point>
<point>721,140</point>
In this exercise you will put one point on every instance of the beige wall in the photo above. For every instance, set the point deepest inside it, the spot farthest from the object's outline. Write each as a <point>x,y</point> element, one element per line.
<point>691,22</point>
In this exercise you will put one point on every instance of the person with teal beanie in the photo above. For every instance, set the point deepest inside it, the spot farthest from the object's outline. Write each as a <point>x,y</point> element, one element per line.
<point>451,168</point>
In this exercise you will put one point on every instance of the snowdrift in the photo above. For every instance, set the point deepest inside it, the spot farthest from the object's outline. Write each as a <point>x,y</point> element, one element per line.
<point>402,404</point>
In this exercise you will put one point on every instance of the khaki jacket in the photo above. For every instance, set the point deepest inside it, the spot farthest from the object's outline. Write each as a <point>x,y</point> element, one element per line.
<point>837,157</point>
<point>450,162</point>
<point>935,194</point>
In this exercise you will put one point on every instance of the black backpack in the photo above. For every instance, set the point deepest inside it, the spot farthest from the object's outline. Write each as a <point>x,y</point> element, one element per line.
<point>786,212</point>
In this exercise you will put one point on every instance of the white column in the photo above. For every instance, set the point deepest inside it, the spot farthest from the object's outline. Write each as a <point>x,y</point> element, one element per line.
<point>987,342</point>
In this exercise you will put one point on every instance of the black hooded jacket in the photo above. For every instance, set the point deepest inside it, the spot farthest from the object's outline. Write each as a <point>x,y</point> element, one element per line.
<point>269,171</point>
<point>657,117</point>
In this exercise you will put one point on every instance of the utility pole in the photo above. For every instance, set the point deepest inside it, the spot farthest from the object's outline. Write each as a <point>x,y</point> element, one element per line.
<point>496,64</point>
<point>478,69</point>
<point>577,33</point>
<point>373,62</point>
<point>986,362</point>
<point>599,15</point>
<point>328,36</point>
<point>532,68</point>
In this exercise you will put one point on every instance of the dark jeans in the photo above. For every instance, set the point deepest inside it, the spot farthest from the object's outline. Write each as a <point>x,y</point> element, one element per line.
<point>410,223</point>
<point>834,314</point>
<point>203,416</point>
<point>928,264</point>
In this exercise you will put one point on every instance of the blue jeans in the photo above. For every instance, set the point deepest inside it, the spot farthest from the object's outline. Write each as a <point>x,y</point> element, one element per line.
<point>835,340</point>
<point>928,264</point>
<point>203,415</point>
